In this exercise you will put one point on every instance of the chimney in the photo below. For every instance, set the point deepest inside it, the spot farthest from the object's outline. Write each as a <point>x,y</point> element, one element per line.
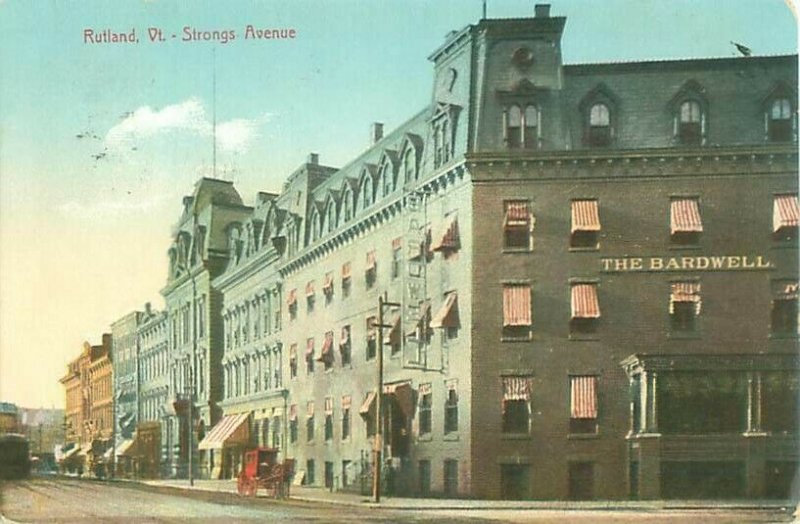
<point>376,132</point>
<point>148,309</point>
<point>542,10</point>
<point>313,159</point>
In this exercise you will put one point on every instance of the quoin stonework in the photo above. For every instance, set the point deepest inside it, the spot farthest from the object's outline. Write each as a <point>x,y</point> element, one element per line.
<point>590,285</point>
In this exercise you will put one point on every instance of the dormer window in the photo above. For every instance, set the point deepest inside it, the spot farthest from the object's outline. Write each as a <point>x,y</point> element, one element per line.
<point>780,122</point>
<point>599,132</point>
<point>691,123</point>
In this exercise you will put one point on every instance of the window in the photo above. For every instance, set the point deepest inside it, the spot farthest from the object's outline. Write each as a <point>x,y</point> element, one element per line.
<point>684,306</point>
<point>328,418</point>
<point>701,402</point>
<point>780,400</point>
<point>329,475</point>
<point>310,296</point>
<point>531,127</point>
<point>691,123</point>
<point>425,406</point>
<point>310,356</point>
<point>372,344</point>
<point>393,336</point>
<point>517,226</point>
<point>346,401</point>
<point>450,477</point>
<point>327,288</point>
<point>451,409</point>
<point>599,132</point>
<point>346,279</point>
<point>780,120</point>
<point>685,224</point>
<point>345,346</point>
<point>522,127</point>
<point>293,361</point>
<point>371,270</point>
<point>785,217</point>
<point>310,422</point>
<point>517,311</point>
<point>368,412</point>
<point>397,244</point>
<point>291,304</point>
<point>516,404</point>
<point>583,404</point>
<point>585,227</point>
<point>513,127</point>
<point>424,477</point>
<point>585,308</point>
<point>310,466</point>
<point>293,423</point>
<point>447,317</point>
<point>326,355</point>
<point>366,191</point>
<point>784,308</point>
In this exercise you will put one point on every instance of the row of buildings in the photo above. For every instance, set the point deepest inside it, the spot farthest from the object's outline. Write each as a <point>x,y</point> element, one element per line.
<point>581,279</point>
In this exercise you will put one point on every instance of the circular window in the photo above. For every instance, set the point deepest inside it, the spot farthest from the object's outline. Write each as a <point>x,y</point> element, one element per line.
<point>522,57</point>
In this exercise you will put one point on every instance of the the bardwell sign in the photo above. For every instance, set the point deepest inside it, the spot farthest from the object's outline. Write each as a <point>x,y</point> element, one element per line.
<point>684,263</point>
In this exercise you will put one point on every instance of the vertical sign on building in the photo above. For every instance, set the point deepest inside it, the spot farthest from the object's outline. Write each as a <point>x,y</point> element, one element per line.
<point>414,278</point>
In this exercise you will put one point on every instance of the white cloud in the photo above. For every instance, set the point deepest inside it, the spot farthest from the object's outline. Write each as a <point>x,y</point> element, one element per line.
<point>190,117</point>
<point>108,209</point>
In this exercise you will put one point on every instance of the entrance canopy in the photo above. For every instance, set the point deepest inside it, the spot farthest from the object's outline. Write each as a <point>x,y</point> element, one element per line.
<point>126,448</point>
<point>230,431</point>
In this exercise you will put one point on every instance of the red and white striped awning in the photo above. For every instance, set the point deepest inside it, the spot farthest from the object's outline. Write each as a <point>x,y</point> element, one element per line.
<point>327,284</point>
<point>517,305</point>
<point>291,300</point>
<point>517,388</point>
<point>585,216</point>
<point>293,412</point>
<point>584,301</point>
<point>517,214</point>
<point>583,397</point>
<point>685,292</point>
<point>310,288</point>
<point>329,405</point>
<point>231,430</point>
<point>346,270</point>
<point>368,404</point>
<point>346,402</point>
<point>449,239</point>
<point>327,348</point>
<point>685,216</point>
<point>372,261</point>
<point>785,212</point>
<point>447,316</point>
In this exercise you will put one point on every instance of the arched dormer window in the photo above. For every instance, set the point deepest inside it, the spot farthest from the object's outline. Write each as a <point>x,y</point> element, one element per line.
<point>367,192</point>
<point>691,123</point>
<point>235,243</point>
<point>531,121</point>
<point>782,121</point>
<point>409,166</point>
<point>330,218</point>
<point>348,204</point>
<point>522,127</point>
<point>387,182</point>
<point>599,132</point>
<point>313,225</point>
<point>598,109</point>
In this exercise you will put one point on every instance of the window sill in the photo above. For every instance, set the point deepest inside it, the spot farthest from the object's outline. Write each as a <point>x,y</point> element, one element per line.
<point>679,247</point>
<point>529,338</point>
<point>583,436</point>
<point>579,249</point>
<point>516,250</point>
<point>515,436</point>
<point>451,437</point>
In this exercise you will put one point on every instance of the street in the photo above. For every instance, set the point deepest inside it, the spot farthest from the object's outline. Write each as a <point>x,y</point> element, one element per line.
<point>65,500</point>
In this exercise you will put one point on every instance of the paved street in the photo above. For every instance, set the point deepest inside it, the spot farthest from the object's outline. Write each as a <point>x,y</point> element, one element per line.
<point>71,500</point>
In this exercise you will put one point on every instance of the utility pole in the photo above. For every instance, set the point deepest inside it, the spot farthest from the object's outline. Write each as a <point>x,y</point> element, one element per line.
<point>377,467</point>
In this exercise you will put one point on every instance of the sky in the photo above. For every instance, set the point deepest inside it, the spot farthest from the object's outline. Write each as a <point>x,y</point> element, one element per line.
<point>99,141</point>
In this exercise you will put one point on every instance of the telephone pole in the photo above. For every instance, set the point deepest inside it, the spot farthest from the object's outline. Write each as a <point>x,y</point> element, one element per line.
<point>377,469</point>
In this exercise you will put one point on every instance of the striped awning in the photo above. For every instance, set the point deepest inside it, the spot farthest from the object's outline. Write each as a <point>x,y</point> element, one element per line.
<point>517,388</point>
<point>447,316</point>
<point>393,335</point>
<point>785,212</point>
<point>293,412</point>
<point>329,405</point>
<point>346,402</point>
<point>422,326</point>
<point>584,301</point>
<point>310,409</point>
<point>310,288</point>
<point>368,404</point>
<point>371,261</point>
<point>685,292</point>
<point>126,448</point>
<point>585,216</point>
<point>685,216</point>
<point>346,270</point>
<point>583,397</point>
<point>424,389</point>
<point>449,239</point>
<point>310,348</point>
<point>291,300</point>
<point>517,214</point>
<point>345,339</point>
<point>397,243</point>
<point>517,305</point>
<point>230,430</point>
<point>327,284</point>
<point>327,348</point>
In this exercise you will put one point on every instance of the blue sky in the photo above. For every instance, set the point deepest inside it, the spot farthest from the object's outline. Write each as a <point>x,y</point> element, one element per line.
<point>83,240</point>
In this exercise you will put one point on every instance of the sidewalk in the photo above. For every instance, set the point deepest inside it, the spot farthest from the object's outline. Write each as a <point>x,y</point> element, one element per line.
<point>321,495</point>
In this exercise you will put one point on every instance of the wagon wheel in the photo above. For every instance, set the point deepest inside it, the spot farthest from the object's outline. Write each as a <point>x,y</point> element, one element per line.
<point>252,487</point>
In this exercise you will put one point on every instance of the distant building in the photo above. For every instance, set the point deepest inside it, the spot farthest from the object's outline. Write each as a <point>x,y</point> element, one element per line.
<point>9,418</point>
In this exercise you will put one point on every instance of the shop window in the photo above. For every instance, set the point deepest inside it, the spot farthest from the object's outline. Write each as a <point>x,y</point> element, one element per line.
<point>518,226</point>
<point>585,224</point>
<point>451,410</point>
<point>784,309</point>
<point>685,224</point>
<point>785,217</point>
<point>780,120</point>
<point>516,404</point>
<point>585,308</point>
<point>599,131</point>
<point>329,475</point>
<point>583,404</point>
<point>684,306</point>
<point>425,408</point>
<point>517,312</point>
<point>701,402</point>
<point>691,123</point>
<point>780,402</point>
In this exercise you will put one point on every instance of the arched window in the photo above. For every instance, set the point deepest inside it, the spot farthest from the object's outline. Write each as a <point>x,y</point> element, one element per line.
<point>409,166</point>
<point>366,191</point>
<point>531,122</point>
<point>386,180</point>
<point>347,204</point>
<point>599,125</point>
<point>331,219</point>
<point>691,123</point>
<point>513,127</point>
<point>780,120</point>
<point>314,230</point>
